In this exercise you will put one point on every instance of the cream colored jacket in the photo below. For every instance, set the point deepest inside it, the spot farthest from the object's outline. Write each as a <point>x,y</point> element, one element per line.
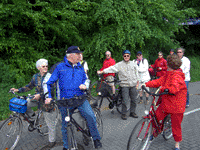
<point>127,73</point>
<point>143,70</point>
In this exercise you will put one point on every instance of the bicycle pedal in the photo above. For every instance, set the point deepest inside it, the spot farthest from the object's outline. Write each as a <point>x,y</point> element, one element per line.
<point>111,105</point>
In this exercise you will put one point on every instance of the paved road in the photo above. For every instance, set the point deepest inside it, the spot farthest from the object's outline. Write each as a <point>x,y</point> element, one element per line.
<point>117,131</point>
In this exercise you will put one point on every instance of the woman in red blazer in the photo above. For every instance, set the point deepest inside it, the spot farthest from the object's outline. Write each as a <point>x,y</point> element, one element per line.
<point>160,66</point>
<point>174,105</point>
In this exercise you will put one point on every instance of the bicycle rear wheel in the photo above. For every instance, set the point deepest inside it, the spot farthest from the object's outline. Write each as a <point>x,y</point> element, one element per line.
<point>99,121</point>
<point>10,132</point>
<point>119,104</point>
<point>140,136</point>
<point>167,128</point>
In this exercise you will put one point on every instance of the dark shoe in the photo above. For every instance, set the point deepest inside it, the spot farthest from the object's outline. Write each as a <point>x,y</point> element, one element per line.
<point>140,102</point>
<point>134,115</point>
<point>51,144</point>
<point>187,106</point>
<point>97,144</point>
<point>94,104</point>
<point>111,105</point>
<point>65,148</point>
<point>124,117</point>
<point>151,138</point>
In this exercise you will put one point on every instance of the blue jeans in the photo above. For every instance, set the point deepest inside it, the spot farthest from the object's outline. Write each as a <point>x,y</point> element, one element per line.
<point>86,112</point>
<point>187,84</point>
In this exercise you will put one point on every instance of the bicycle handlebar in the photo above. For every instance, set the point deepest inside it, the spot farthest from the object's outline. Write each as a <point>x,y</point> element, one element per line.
<point>115,79</point>
<point>166,91</point>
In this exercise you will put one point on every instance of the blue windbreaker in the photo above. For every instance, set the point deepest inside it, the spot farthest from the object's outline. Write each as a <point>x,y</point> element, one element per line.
<point>69,79</point>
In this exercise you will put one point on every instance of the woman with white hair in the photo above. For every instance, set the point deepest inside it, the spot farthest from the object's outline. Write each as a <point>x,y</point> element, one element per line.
<point>39,82</point>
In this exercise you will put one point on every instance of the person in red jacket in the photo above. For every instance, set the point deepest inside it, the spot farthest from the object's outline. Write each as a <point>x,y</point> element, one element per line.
<point>109,61</point>
<point>160,66</point>
<point>174,105</point>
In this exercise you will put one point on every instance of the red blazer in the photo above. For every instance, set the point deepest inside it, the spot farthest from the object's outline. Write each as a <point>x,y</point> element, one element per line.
<point>174,81</point>
<point>160,63</point>
<point>107,63</point>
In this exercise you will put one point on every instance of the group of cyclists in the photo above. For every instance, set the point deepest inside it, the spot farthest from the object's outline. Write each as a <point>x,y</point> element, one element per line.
<point>70,78</point>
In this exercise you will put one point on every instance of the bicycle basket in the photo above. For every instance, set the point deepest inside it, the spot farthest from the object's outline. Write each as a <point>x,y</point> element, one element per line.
<point>104,88</point>
<point>18,105</point>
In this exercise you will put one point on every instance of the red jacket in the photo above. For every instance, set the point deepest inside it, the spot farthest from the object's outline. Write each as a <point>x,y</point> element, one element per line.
<point>107,63</point>
<point>174,81</point>
<point>160,63</point>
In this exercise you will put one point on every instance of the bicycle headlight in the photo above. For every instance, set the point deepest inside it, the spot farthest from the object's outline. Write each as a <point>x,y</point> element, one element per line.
<point>67,118</point>
<point>146,112</point>
<point>99,93</point>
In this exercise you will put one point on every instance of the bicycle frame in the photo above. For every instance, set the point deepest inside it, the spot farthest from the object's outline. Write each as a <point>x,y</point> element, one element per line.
<point>152,117</point>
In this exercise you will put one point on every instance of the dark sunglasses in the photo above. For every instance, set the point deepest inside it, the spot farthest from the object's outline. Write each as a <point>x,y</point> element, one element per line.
<point>179,52</point>
<point>44,66</point>
<point>126,55</point>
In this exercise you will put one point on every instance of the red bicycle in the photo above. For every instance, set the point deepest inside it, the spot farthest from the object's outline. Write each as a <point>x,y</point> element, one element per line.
<point>144,132</point>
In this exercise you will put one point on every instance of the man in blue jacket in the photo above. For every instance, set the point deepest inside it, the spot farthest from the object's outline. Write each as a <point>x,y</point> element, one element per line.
<point>71,78</point>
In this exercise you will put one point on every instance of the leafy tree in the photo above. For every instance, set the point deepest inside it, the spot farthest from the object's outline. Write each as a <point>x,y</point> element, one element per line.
<point>31,30</point>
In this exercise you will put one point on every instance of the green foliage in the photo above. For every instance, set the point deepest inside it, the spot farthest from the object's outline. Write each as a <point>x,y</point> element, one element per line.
<point>194,68</point>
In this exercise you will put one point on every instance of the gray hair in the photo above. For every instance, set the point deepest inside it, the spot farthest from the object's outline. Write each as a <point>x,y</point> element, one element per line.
<point>68,55</point>
<point>180,48</point>
<point>41,62</point>
<point>161,53</point>
<point>108,52</point>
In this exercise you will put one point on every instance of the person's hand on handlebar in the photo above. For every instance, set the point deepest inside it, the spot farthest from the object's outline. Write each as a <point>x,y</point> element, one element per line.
<point>48,100</point>
<point>14,90</point>
<point>37,97</point>
<point>82,87</point>
<point>99,72</point>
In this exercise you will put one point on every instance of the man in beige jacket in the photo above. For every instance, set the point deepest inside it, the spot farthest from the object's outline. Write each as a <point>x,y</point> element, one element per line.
<point>128,75</point>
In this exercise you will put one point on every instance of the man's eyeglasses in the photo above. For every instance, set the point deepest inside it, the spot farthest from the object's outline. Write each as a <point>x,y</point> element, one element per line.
<point>108,55</point>
<point>126,55</point>
<point>179,52</point>
<point>159,55</point>
<point>44,66</point>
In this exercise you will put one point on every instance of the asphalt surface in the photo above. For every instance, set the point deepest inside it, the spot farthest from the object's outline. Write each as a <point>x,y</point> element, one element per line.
<point>117,131</point>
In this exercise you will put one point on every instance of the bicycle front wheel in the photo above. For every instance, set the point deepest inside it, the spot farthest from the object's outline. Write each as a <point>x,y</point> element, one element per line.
<point>41,124</point>
<point>140,136</point>
<point>10,132</point>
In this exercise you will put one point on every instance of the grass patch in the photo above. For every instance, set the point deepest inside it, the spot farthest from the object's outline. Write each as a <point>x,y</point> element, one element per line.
<point>194,68</point>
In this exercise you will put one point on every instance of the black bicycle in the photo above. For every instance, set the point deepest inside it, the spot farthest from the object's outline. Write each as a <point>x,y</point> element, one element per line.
<point>100,90</point>
<point>11,128</point>
<point>80,124</point>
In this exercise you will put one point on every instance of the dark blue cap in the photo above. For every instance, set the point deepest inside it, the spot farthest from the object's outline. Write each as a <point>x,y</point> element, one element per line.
<point>139,52</point>
<point>73,49</point>
<point>126,52</point>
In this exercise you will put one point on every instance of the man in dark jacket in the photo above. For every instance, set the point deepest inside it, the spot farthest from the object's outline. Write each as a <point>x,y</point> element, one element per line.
<point>71,78</point>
